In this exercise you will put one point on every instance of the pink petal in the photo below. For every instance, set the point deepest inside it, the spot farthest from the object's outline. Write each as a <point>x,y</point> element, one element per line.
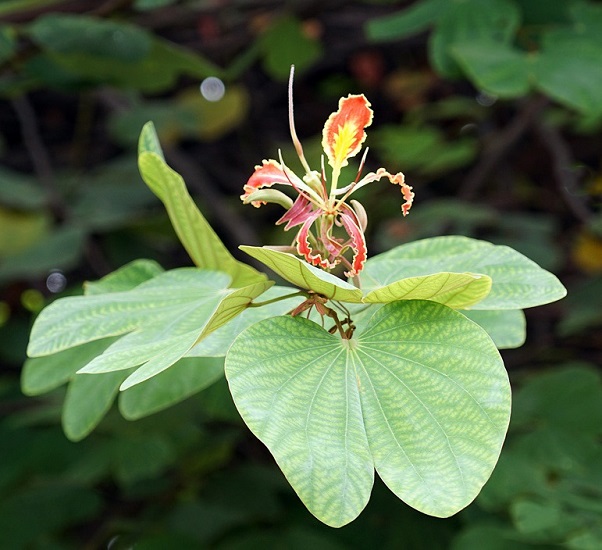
<point>298,213</point>
<point>352,226</point>
<point>305,249</point>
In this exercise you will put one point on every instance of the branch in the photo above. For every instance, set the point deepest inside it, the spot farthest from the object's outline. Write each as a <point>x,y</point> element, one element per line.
<point>563,164</point>
<point>497,149</point>
<point>40,158</point>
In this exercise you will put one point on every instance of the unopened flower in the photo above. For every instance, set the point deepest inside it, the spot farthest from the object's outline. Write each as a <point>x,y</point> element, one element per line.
<point>321,204</point>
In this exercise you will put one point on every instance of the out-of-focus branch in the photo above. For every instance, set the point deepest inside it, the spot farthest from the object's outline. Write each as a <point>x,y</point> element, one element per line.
<point>564,173</point>
<point>40,158</point>
<point>499,147</point>
<point>237,229</point>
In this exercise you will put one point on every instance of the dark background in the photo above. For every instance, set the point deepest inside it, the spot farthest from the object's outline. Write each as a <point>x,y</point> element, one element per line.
<point>493,111</point>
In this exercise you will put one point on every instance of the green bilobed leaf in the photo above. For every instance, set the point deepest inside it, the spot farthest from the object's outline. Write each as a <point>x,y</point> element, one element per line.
<point>43,374</point>
<point>420,394</point>
<point>303,275</point>
<point>456,290</point>
<point>88,399</point>
<point>506,327</point>
<point>518,282</point>
<point>414,19</point>
<point>200,241</point>
<point>185,378</point>
<point>495,68</point>
<point>471,21</point>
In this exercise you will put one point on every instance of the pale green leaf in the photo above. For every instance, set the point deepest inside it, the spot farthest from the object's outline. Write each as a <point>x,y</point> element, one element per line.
<point>518,282</point>
<point>185,378</point>
<point>124,278</point>
<point>420,393</point>
<point>172,296</point>
<point>88,400</point>
<point>303,275</point>
<point>43,374</point>
<point>456,290</point>
<point>164,316</point>
<point>197,236</point>
<point>507,327</point>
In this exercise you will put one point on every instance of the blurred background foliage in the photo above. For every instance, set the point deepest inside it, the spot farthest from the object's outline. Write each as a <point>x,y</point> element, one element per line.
<point>493,110</point>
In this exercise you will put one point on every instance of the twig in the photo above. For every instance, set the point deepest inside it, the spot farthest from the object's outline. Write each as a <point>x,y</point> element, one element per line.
<point>563,163</point>
<point>497,149</point>
<point>38,153</point>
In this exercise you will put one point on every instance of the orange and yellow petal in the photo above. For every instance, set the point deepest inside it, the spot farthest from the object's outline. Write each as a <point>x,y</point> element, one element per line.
<point>343,132</point>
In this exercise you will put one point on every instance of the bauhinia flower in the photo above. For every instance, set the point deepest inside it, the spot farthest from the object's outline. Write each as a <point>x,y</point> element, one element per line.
<point>329,226</point>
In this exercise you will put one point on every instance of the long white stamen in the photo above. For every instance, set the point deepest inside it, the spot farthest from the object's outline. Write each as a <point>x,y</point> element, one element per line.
<point>291,122</point>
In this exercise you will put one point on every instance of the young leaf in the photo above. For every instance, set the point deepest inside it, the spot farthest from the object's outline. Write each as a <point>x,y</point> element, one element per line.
<point>303,275</point>
<point>420,393</point>
<point>185,378</point>
<point>456,290</point>
<point>124,278</point>
<point>518,282</point>
<point>197,236</point>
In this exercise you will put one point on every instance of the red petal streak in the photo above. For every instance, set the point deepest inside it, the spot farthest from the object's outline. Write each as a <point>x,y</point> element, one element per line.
<point>266,175</point>
<point>300,211</point>
<point>304,248</point>
<point>343,132</point>
<point>352,226</point>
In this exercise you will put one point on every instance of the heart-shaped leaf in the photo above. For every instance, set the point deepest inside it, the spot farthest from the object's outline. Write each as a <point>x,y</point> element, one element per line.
<point>518,282</point>
<point>456,290</point>
<point>303,275</point>
<point>164,316</point>
<point>196,235</point>
<point>420,393</point>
